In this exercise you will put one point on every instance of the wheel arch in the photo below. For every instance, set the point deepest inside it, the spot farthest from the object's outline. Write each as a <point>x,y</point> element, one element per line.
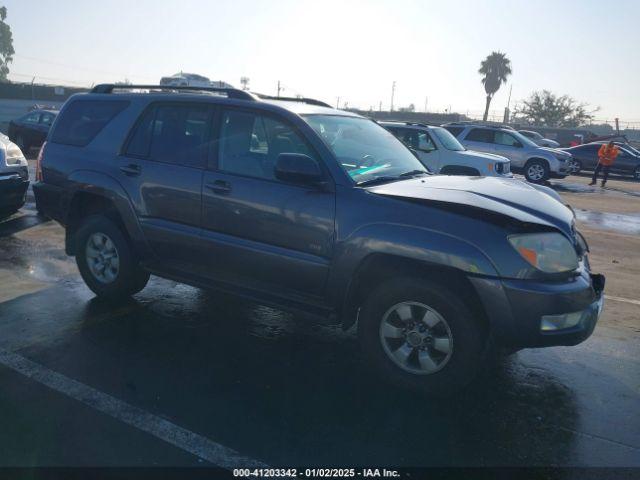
<point>97,193</point>
<point>378,267</point>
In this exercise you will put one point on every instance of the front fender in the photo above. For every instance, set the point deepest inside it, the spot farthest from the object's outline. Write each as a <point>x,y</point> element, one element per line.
<point>424,246</point>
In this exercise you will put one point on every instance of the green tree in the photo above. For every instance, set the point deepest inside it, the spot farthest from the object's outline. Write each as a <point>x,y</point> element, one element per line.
<point>549,110</point>
<point>6,45</point>
<point>494,70</point>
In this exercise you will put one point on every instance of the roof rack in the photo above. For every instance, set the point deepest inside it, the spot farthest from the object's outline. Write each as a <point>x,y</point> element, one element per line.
<point>231,92</point>
<point>479,123</point>
<point>310,101</point>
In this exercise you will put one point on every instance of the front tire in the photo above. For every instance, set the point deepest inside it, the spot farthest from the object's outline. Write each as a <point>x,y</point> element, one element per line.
<point>419,335</point>
<point>536,171</point>
<point>106,261</point>
<point>577,167</point>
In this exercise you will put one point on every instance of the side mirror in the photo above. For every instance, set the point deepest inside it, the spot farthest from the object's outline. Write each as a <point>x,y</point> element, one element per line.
<point>297,168</point>
<point>518,144</point>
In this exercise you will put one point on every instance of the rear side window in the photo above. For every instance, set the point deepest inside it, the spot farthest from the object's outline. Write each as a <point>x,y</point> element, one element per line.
<point>455,131</point>
<point>175,134</point>
<point>83,120</point>
<point>480,135</point>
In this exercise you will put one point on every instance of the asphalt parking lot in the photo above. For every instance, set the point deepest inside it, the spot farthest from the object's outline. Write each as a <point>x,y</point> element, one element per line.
<point>179,376</point>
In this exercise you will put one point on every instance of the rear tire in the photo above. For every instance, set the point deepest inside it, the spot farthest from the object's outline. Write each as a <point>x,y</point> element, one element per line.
<point>536,171</point>
<point>438,360</point>
<point>106,261</point>
<point>636,174</point>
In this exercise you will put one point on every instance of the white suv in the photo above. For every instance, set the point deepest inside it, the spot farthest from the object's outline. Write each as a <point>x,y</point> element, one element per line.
<point>537,163</point>
<point>440,152</point>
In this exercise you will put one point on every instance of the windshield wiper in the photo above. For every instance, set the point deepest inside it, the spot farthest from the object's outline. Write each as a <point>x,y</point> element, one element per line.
<point>414,173</point>
<point>373,181</point>
<point>392,178</point>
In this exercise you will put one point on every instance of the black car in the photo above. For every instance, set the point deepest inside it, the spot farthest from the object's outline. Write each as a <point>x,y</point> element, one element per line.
<point>585,157</point>
<point>321,211</point>
<point>31,129</point>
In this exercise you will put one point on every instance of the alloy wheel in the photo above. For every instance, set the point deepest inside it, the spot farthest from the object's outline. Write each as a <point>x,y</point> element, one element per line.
<point>416,338</point>
<point>102,258</point>
<point>535,172</point>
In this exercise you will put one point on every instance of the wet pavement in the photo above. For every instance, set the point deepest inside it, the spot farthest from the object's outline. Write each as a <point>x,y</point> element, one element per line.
<point>271,386</point>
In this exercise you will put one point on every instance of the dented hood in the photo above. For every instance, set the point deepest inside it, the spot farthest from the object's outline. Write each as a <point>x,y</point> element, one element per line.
<point>505,196</point>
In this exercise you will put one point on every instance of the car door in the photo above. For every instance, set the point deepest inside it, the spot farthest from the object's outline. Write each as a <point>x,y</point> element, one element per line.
<point>260,232</point>
<point>422,144</point>
<point>625,162</point>
<point>479,139</point>
<point>28,129</point>
<point>507,145</point>
<point>161,169</point>
<point>587,155</point>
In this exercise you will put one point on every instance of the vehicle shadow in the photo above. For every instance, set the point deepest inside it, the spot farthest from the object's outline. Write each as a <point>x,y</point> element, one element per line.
<point>276,388</point>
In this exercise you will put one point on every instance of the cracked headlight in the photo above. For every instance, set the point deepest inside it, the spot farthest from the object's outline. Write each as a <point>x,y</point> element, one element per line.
<point>549,252</point>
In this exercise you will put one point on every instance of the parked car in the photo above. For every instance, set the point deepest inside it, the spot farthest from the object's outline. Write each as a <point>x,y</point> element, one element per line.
<point>442,153</point>
<point>300,206</point>
<point>538,139</point>
<point>14,177</point>
<point>585,157</point>
<point>31,129</point>
<point>537,163</point>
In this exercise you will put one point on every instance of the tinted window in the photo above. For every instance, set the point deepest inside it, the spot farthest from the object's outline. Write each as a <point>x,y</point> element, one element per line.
<point>415,139</point>
<point>83,120</point>
<point>455,131</point>
<point>31,118</point>
<point>480,135</point>
<point>506,139</point>
<point>47,118</point>
<point>173,134</point>
<point>250,144</point>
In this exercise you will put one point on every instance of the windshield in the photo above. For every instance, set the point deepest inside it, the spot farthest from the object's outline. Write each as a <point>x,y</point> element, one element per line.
<point>447,139</point>
<point>365,150</point>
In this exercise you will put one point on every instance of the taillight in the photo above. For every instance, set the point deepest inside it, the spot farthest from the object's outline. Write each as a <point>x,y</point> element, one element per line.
<point>39,163</point>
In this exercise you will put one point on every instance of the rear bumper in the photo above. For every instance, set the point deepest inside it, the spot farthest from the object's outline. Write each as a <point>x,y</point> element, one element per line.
<point>516,309</point>
<point>13,191</point>
<point>49,200</point>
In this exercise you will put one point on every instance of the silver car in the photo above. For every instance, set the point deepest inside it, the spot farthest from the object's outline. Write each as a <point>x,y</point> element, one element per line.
<point>536,163</point>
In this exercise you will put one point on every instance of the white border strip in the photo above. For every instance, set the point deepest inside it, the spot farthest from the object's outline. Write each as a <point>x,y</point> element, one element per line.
<point>158,427</point>
<point>620,299</point>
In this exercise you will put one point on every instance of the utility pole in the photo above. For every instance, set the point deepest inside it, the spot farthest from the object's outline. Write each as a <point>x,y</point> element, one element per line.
<point>617,126</point>
<point>507,112</point>
<point>338,103</point>
<point>393,92</point>
<point>380,108</point>
<point>426,102</point>
<point>279,89</point>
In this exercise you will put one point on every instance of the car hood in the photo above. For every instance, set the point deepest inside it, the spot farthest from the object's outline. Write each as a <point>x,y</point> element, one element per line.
<point>556,152</point>
<point>505,196</point>
<point>483,156</point>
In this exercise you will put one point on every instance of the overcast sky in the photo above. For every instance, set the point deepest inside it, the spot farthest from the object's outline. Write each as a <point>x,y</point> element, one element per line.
<point>348,49</point>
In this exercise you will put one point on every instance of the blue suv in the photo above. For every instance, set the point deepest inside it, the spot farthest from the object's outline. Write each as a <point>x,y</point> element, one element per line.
<point>292,203</point>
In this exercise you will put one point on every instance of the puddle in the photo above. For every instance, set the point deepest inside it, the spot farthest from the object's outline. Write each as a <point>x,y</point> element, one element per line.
<point>623,223</point>
<point>582,188</point>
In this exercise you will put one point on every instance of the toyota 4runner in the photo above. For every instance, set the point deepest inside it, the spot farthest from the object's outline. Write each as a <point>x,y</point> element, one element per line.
<point>301,206</point>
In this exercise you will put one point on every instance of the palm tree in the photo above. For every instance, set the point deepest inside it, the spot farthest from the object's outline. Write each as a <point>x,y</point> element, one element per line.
<point>495,70</point>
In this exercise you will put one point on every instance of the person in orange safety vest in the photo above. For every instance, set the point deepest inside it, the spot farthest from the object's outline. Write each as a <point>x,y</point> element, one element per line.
<point>606,156</point>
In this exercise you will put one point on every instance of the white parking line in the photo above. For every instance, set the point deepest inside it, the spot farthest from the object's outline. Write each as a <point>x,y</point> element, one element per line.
<point>620,299</point>
<point>158,427</point>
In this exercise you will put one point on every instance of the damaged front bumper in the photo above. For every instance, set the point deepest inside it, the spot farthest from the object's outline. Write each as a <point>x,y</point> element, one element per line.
<point>527,314</point>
